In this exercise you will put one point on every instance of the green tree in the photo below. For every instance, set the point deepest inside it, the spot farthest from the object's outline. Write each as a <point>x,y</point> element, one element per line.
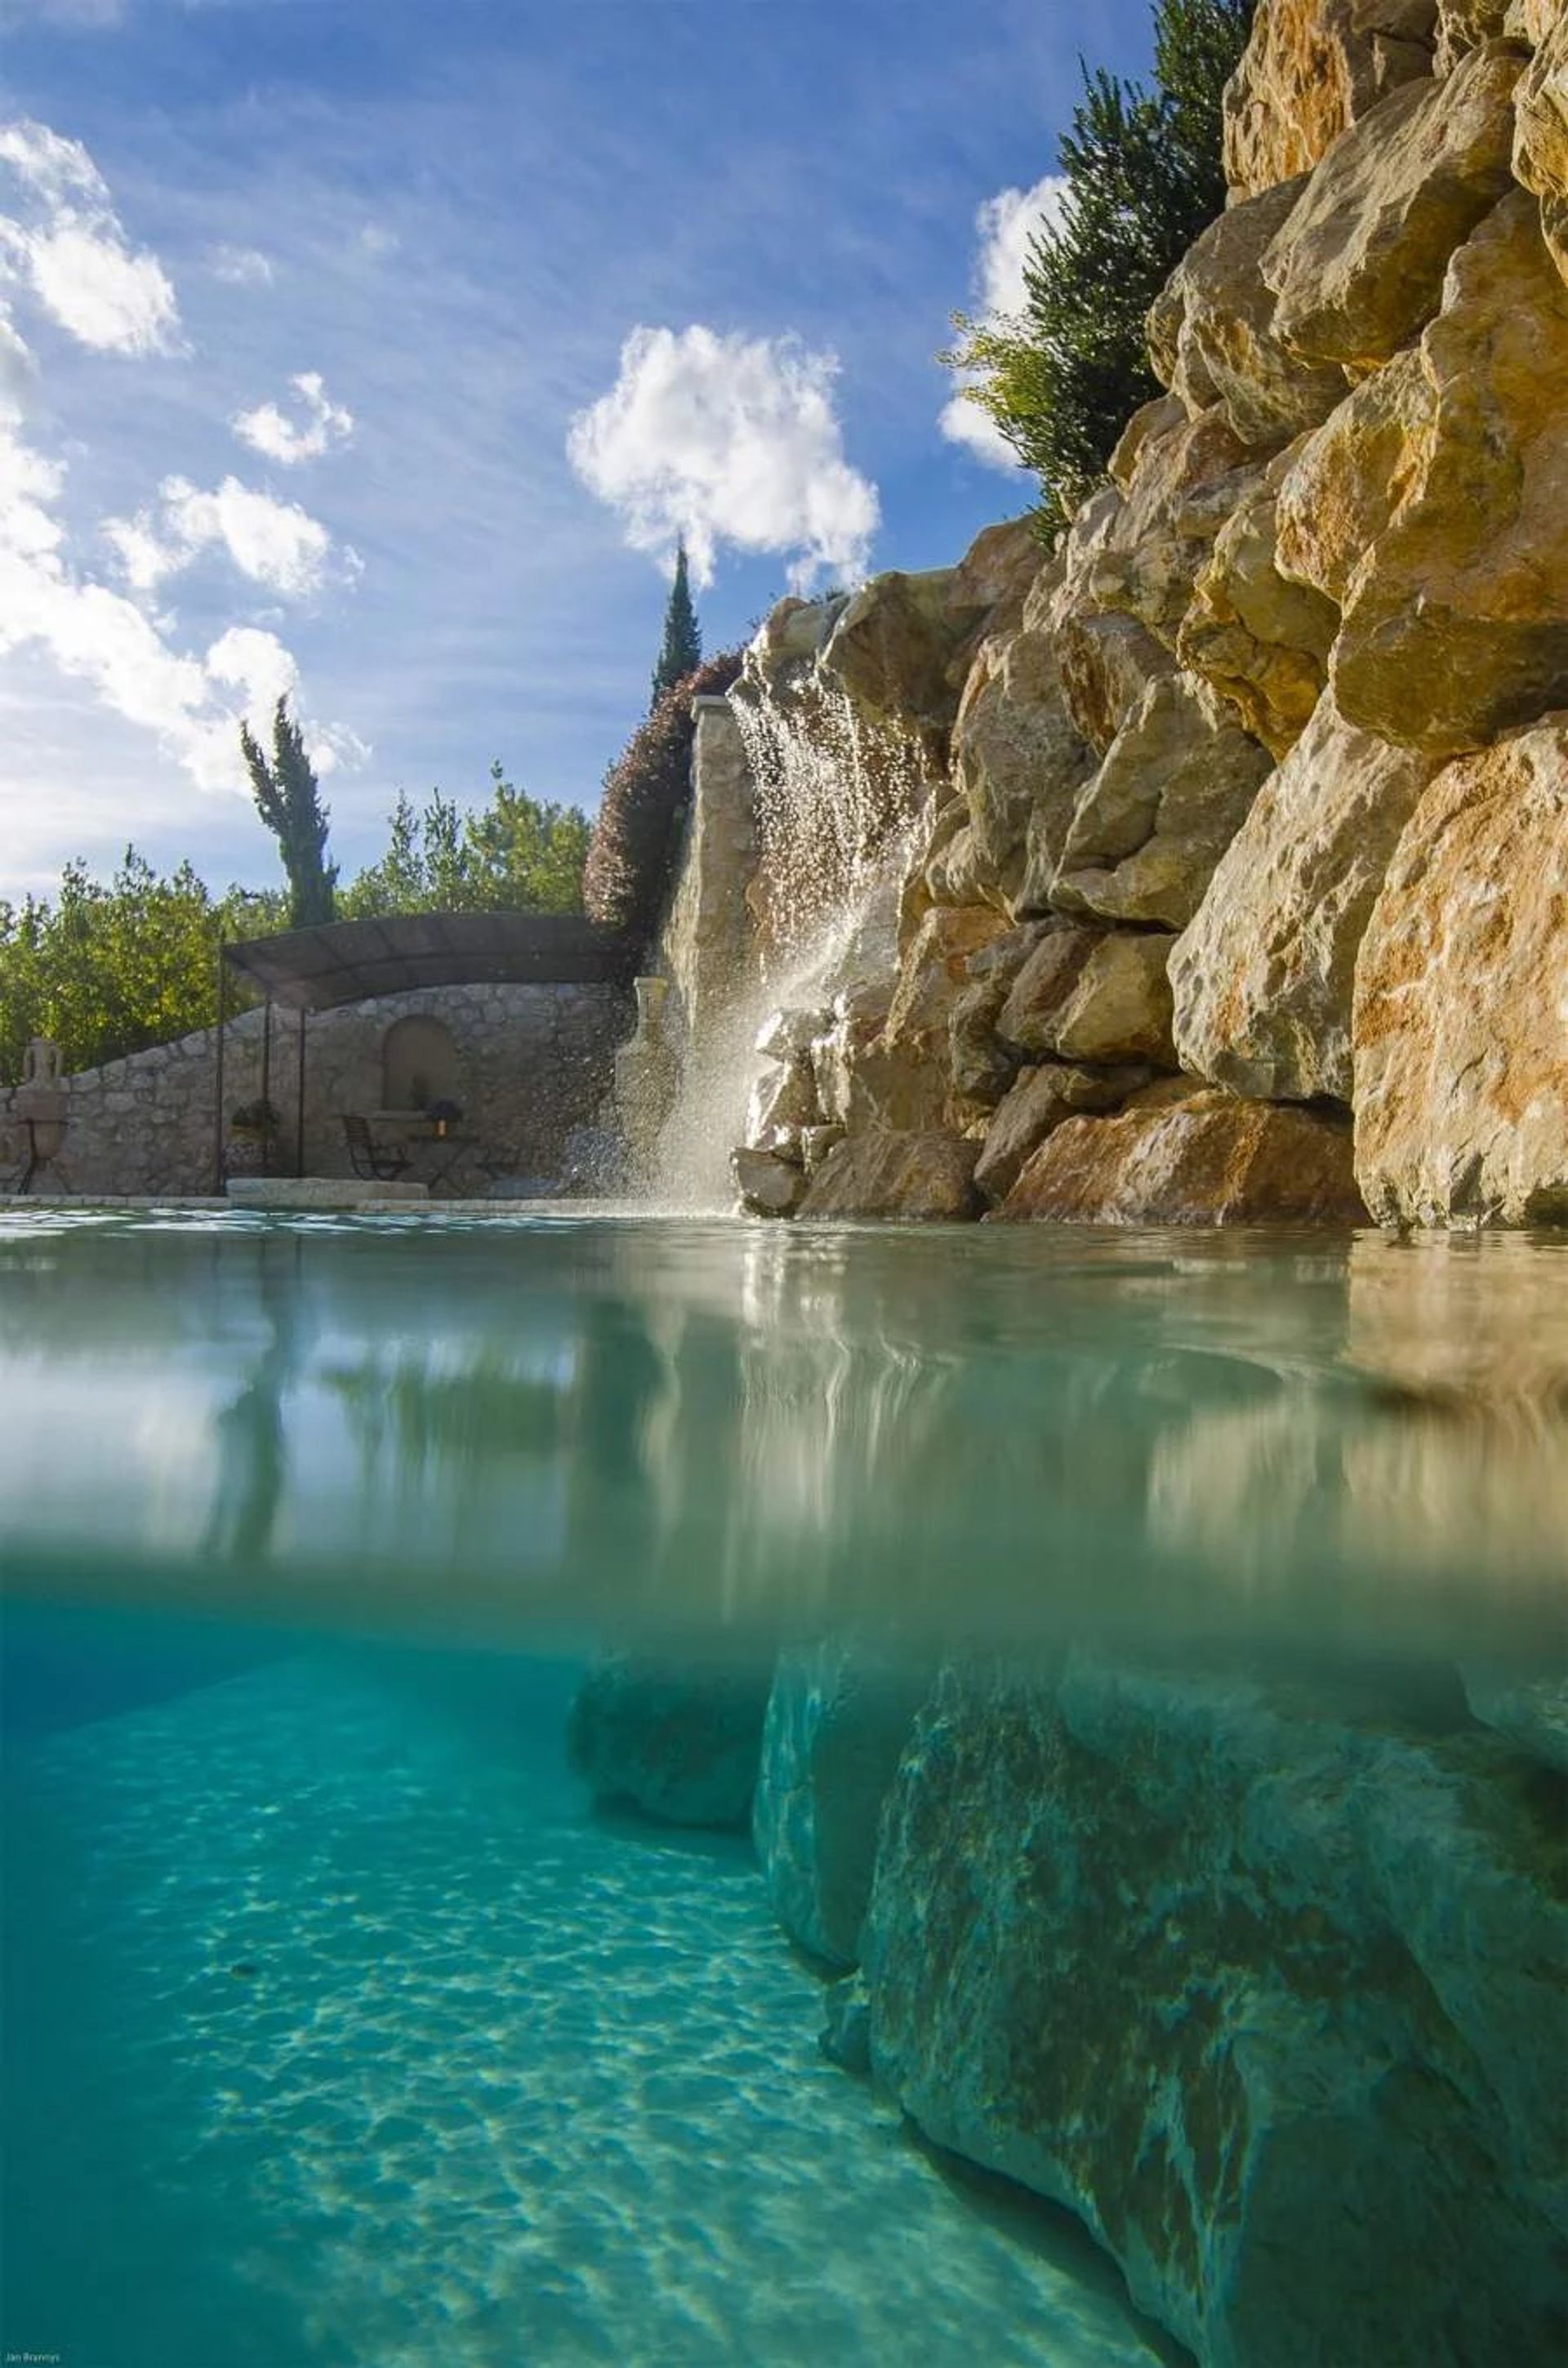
<point>289,803</point>
<point>514,854</point>
<point>109,967</point>
<point>1145,176</point>
<point>681,653</point>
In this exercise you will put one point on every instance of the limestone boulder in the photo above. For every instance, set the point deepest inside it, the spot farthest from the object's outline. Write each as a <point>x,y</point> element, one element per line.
<point>1139,560</point>
<point>932,976</point>
<point>1043,1098</point>
<point>996,575</point>
<point>925,1177</point>
<point>1211,334</point>
<point>769,1182</point>
<point>838,1715</point>
<point>1460,1019</point>
<point>859,1017</point>
<point>1105,660</point>
<point>892,650</point>
<point>1261,638</point>
<point>1203,1159</point>
<point>1339,488</point>
<point>980,1064</point>
<point>1086,995</point>
<point>1311,69</point>
<point>681,1742</point>
<point>1541,130</point>
<point>1262,979</point>
<point>1016,753</point>
<point>1465,24</point>
<point>1455,624</point>
<point>1168,797</point>
<point>782,1101</point>
<point>1259,1977</point>
<point>1357,264</point>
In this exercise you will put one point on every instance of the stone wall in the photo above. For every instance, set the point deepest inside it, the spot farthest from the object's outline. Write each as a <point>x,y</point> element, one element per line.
<point>532,1065</point>
<point>1243,891</point>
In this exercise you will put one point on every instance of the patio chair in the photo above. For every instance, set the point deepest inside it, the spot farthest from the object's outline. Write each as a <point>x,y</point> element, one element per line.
<point>378,1163</point>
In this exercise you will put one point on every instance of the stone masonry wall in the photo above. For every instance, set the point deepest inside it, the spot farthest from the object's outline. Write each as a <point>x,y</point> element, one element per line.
<point>533,1063</point>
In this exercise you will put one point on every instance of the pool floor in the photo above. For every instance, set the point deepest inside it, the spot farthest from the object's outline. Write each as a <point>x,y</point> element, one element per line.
<point>341,2033</point>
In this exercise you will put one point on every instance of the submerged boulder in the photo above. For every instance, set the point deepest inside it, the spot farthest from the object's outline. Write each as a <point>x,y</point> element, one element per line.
<point>682,1742</point>
<point>1176,1158</point>
<point>837,1719</point>
<point>1461,997</point>
<point>1262,1982</point>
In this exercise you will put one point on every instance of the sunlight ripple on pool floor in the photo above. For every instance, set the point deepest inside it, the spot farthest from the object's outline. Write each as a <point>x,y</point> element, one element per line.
<point>391,2053</point>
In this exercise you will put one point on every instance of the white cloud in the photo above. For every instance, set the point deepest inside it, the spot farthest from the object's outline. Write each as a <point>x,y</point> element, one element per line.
<point>1003,226</point>
<point>325,423</point>
<point>727,440</point>
<point>69,247</point>
<point>241,267</point>
<point>276,543</point>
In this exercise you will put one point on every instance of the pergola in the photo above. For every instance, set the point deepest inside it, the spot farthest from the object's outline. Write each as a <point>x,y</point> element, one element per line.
<point>351,962</point>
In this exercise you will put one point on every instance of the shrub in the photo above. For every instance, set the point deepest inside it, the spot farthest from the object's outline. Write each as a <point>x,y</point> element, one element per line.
<point>636,838</point>
<point>1144,175</point>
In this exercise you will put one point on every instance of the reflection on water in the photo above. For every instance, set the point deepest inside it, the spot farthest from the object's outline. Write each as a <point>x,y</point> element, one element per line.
<point>727,1426</point>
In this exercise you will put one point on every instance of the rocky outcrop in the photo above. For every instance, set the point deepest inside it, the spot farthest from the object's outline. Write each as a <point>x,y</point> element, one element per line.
<point>837,1719</point>
<point>1087,996</point>
<point>1039,1101</point>
<point>1260,638</point>
<point>1540,126</point>
<point>1185,1158</point>
<point>1262,980</point>
<point>681,1743</point>
<point>1461,997</point>
<point>924,1177</point>
<point>1312,69</point>
<point>1254,1977</point>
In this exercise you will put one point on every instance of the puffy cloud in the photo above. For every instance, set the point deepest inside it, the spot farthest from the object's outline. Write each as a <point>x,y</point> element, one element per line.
<point>727,440</point>
<point>325,423</point>
<point>241,267</point>
<point>276,543</point>
<point>68,247</point>
<point>1003,226</point>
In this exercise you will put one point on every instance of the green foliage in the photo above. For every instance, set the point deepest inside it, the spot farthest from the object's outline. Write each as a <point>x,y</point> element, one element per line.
<point>682,651</point>
<point>109,967</point>
<point>516,854</point>
<point>289,803</point>
<point>1144,175</point>
<point>631,857</point>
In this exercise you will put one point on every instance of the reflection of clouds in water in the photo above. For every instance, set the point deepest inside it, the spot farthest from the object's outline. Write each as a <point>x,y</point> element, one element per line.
<point>500,2083</point>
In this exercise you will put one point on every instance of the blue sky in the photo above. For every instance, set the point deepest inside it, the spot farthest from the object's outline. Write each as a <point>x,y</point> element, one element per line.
<point>318,372</point>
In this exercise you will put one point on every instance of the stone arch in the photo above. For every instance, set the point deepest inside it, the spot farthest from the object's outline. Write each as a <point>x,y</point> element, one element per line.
<point>419,1063</point>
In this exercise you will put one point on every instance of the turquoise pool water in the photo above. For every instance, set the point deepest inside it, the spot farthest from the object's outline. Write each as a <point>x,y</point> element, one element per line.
<point>339,2028</point>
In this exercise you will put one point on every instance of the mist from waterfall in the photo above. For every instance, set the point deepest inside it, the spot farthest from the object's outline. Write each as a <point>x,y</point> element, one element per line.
<point>838,801</point>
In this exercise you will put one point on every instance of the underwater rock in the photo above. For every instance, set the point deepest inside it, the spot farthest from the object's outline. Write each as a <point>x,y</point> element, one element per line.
<point>920,1176</point>
<point>1042,1100</point>
<point>1182,1158</point>
<point>1357,264</point>
<point>1263,1983</point>
<point>1170,794</point>
<point>1462,987</point>
<point>838,1718</point>
<point>1311,69</point>
<point>846,2035</point>
<point>1532,1712</point>
<point>681,1741</point>
<point>1262,980</point>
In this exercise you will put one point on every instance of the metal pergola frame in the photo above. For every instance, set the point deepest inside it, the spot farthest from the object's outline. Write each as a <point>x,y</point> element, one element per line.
<point>339,962</point>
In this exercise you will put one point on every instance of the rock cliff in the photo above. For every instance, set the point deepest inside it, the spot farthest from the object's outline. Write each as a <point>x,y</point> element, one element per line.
<point>1256,785</point>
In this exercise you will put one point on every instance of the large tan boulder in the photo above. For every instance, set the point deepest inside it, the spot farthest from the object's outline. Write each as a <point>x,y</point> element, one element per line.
<point>1461,997</point>
<point>917,1178</point>
<point>1541,130</point>
<point>1040,1101</point>
<point>1311,67</point>
<point>1357,264</point>
<point>1465,24</point>
<point>1207,1159</point>
<point>1261,638</point>
<point>932,975</point>
<point>1340,486</point>
<point>1149,827</point>
<point>1106,660</point>
<point>1211,333</point>
<point>1262,980</point>
<point>1086,995</point>
<point>1144,554</point>
<point>1017,753</point>
<point>1456,617</point>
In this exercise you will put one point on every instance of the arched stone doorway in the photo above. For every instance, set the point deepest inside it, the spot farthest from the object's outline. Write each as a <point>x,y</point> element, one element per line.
<point>419,1064</point>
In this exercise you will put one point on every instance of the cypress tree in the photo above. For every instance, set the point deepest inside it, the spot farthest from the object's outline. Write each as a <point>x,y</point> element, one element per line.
<point>682,652</point>
<point>289,803</point>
